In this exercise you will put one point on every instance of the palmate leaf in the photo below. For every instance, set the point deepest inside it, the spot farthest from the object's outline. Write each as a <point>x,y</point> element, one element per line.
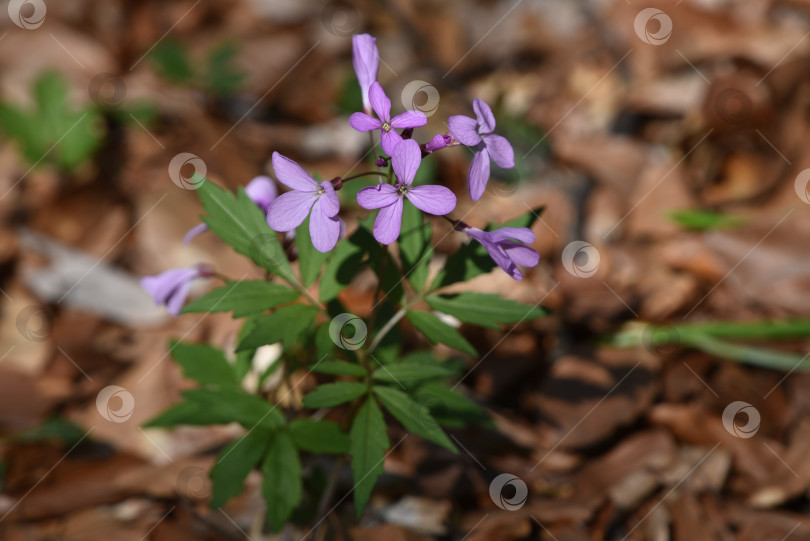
<point>243,297</point>
<point>485,309</point>
<point>235,463</point>
<point>414,417</point>
<point>238,221</point>
<point>281,485</point>
<point>437,331</point>
<point>368,445</point>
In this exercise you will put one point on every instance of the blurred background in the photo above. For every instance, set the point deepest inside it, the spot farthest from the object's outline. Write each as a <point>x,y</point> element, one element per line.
<point>666,141</point>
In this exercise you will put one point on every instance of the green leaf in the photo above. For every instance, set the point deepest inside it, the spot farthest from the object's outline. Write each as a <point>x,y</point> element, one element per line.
<point>284,325</point>
<point>244,359</point>
<point>310,260</point>
<point>484,309</point>
<point>239,222</point>
<point>705,220</point>
<point>235,463</point>
<point>450,407</point>
<point>415,248</point>
<point>172,62</point>
<point>235,405</point>
<point>437,331</point>
<point>332,394</point>
<point>404,373</point>
<point>368,445</point>
<point>53,132</point>
<point>469,261</point>
<point>319,436</point>
<point>346,262</point>
<point>339,368</point>
<point>223,76</point>
<point>204,364</point>
<point>324,346</point>
<point>281,486</point>
<point>53,429</point>
<point>187,413</point>
<point>243,297</point>
<point>414,417</point>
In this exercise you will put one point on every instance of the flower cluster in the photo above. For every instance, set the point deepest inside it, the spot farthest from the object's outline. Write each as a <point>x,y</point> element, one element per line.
<point>319,201</point>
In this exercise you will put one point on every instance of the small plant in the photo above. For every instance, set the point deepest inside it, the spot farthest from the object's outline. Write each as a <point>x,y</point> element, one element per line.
<point>362,367</point>
<point>219,75</point>
<point>51,132</point>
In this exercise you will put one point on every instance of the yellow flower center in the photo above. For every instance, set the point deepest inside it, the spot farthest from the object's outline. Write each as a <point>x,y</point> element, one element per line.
<point>386,127</point>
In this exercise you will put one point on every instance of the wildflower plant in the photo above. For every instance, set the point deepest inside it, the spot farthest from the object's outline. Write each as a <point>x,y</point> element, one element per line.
<point>358,375</point>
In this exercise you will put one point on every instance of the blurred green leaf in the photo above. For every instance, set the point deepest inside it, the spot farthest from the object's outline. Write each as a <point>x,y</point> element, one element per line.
<point>223,76</point>
<point>319,436</point>
<point>484,309</point>
<point>282,485</point>
<point>204,364</point>
<point>414,417</point>
<point>437,331</point>
<point>705,220</point>
<point>333,394</point>
<point>310,260</point>
<point>244,297</point>
<point>234,464</point>
<point>285,325</point>
<point>172,61</point>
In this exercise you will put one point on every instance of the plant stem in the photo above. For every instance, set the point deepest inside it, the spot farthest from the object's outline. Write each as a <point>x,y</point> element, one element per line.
<point>396,318</point>
<point>364,174</point>
<point>326,497</point>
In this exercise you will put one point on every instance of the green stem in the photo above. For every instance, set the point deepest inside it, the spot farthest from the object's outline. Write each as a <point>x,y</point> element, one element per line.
<point>396,318</point>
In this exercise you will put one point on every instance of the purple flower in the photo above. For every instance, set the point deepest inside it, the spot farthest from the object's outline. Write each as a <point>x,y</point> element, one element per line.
<point>389,138</point>
<point>504,251</point>
<point>290,209</point>
<point>261,191</point>
<point>477,133</point>
<point>366,62</point>
<point>172,287</point>
<point>438,142</point>
<point>433,199</point>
